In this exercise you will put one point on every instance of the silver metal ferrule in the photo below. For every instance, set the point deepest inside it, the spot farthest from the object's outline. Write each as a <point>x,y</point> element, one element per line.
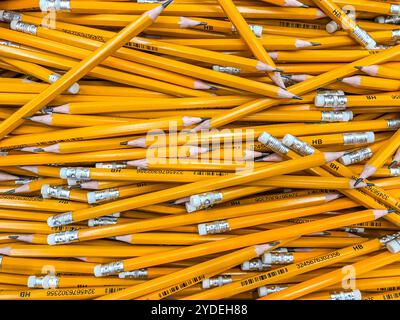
<point>217,227</point>
<point>78,173</point>
<point>395,8</point>
<point>364,38</point>
<point>266,290</point>
<point>336,116</point>
<point>55,5</point>
<point>35,282</point>
<point>344,295</point>
<point>356,138</point>
<point>58,192</point>
<point>301,147</point>
<point>50,282</point>
<point>10,44</point>
<point>54,77</point>
<point>76,183</point>
<point>8,16</point>
<point>60,219</point>
<point>255,265</point>
<point>335,101</point>
<point>353,230</point>
<point>257,30</point>
<point>389,238</point>
<point>393,123</point>
<point>104,195</point>
<point>395,34</point>
<point>228,70</point>
<point>111,268</point>
<point>217,281</point>
<point>394,172</point>
<point>135,274</point>
<point>24,27</point>
<point>205,200</point>
<point>66,237</point>
<point>356,156</point>
<point>111,165</point>
<point>102,221</point>
<point>382,47</point>
<point>1,260</point>
<point>331,92</point>
<point>278,257</point>
<point>275,145</point>
<point>388,20</point>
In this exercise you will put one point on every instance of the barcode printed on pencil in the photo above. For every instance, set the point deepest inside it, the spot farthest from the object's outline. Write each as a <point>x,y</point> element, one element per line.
<point>263,277</point>
<point>391,296</point>
<point>299,25</point>
<point>180,286</point>
<point>112,290</point>
<point>369,224</point>
<point>210,173</point>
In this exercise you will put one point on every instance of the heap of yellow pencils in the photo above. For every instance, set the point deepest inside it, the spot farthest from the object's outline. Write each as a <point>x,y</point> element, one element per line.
<point>212,149</point>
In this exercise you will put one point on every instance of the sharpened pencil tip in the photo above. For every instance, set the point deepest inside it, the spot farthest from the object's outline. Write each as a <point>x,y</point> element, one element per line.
<point>359,68</point>
<point>278,70</point>
<point>358,181</point>
<point>27,118</point>
<point>297,98</point>
<point>47,110</point>
<point>213,88</point>
<point>315,44</point>
<point>38,150</point>
<point>339,79</point>
<point>124,143</point>
<point>12,191</point>
<point>167,3</point>
<point>393,164</point>
<point>391,210</point>
<point>203,23</point>
<point>13,237</point>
